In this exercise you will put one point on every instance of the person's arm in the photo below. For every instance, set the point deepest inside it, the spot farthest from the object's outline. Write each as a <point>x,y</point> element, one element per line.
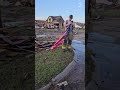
<point>66,24</point>
<point>73,26</point>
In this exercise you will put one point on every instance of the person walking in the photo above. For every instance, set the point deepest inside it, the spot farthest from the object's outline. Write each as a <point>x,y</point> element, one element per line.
<point>68,24</point>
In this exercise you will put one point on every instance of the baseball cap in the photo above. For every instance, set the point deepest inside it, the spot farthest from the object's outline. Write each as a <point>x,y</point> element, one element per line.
<point>71,16</point>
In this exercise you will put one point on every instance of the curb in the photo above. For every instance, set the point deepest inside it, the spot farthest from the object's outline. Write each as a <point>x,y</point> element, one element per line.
<point>60,76</point>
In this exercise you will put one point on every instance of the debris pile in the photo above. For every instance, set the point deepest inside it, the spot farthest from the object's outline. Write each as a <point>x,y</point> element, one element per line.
<point>43,45</point>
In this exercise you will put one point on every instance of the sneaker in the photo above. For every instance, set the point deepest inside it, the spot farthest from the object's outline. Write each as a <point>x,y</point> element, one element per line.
<point>69,47</point>
<point>63,47</point>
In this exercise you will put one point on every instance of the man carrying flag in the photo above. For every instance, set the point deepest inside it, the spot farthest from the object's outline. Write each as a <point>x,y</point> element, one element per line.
<point>68,24</point>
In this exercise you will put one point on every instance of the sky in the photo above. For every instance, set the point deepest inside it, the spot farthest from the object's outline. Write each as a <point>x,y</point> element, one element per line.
<point>64,8</point>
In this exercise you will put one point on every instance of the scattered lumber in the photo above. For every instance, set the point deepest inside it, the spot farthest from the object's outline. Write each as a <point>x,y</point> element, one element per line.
<point>44,44</point>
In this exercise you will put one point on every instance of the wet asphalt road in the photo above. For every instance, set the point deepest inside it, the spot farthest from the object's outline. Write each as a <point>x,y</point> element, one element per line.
<point>76,79</point>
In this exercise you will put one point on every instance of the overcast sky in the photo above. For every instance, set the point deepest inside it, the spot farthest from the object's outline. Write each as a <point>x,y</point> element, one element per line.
<point>45,8</point>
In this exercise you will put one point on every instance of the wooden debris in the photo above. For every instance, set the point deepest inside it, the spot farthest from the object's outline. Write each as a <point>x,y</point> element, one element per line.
<point>43,44</point>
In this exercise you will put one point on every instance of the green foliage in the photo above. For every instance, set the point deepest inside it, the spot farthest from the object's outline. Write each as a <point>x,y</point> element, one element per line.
<point>50,63</point>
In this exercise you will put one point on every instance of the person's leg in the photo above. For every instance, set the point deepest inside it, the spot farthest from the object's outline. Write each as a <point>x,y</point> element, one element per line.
<point>69,42</point>
<point>70,39</point>
<point>65,42</point>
